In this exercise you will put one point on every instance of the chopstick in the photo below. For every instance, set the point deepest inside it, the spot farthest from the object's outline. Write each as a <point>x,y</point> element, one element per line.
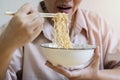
<point>41,14</point>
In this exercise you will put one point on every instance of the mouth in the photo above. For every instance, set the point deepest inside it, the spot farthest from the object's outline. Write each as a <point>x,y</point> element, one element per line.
<point>64,8</point>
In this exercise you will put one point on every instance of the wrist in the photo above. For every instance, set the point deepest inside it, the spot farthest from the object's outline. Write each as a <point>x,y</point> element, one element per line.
<point>6,48</point>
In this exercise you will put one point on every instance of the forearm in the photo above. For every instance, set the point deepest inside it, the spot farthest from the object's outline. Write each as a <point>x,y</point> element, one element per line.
<point>5,57</point>
<point>110,74</point>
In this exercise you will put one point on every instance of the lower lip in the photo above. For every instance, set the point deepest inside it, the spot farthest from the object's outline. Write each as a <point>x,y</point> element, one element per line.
<point>65,10</point>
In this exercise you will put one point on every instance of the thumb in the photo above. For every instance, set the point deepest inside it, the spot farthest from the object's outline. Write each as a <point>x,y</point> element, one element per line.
<point>25,9</point>
<point>96,59</point>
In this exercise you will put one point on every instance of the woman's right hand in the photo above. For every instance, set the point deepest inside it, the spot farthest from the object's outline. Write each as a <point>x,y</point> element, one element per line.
<point>23,28</point>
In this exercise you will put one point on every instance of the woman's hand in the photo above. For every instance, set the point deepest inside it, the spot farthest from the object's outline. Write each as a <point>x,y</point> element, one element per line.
<point>87,73</point>
<point>23,28</point>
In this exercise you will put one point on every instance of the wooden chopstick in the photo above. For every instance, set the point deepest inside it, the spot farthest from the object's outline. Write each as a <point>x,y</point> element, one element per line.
<point>41,14</point>
<point>10,13</point>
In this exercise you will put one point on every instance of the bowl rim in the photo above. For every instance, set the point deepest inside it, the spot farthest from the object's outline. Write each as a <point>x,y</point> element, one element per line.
<point>83,48</point>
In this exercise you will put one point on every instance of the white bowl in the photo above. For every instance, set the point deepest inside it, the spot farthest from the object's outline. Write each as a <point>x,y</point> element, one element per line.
<point>78,56</point>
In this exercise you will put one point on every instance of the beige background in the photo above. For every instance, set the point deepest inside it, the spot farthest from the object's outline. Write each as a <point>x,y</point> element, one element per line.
<point>109,9</point>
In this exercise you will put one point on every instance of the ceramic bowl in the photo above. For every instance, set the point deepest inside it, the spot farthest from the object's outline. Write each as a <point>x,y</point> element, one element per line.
<point>78,56</point>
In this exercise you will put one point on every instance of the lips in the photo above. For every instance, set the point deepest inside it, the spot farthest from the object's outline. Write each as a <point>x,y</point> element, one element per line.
<point>64,8</point>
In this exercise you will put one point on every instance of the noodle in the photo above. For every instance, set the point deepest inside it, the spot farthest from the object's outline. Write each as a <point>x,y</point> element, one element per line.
<point>61,31</point>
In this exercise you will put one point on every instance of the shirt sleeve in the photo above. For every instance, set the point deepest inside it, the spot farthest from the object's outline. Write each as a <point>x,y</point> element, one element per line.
<point>15,65</point>
<point>111,47</point>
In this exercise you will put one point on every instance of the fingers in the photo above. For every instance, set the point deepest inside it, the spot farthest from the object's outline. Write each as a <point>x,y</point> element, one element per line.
<point>35,16</point>
<point>72,75</point>
<point>37,22</point>
<point>25,9</point>
<point>59,69</point>
<point>29,18</point>
<point>96,59</point>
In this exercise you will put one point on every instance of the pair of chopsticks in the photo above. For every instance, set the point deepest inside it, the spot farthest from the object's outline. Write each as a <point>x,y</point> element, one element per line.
<point>41,14</point>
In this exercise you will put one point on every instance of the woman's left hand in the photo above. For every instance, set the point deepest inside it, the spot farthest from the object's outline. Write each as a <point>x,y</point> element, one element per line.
<point>87,73</point>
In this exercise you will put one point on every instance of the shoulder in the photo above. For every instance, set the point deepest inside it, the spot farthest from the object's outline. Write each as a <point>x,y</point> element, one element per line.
<point>96,20</point>
<point>90,13</point>
<point>93,16</point>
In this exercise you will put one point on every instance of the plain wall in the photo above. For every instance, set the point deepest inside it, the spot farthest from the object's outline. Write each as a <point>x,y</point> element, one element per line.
<point>107,8</point>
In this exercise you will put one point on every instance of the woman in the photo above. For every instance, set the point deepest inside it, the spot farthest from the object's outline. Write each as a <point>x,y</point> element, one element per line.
<point>21,55</point>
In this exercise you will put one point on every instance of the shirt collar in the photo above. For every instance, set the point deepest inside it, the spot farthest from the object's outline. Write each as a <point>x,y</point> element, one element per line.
<point>80,21</point>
